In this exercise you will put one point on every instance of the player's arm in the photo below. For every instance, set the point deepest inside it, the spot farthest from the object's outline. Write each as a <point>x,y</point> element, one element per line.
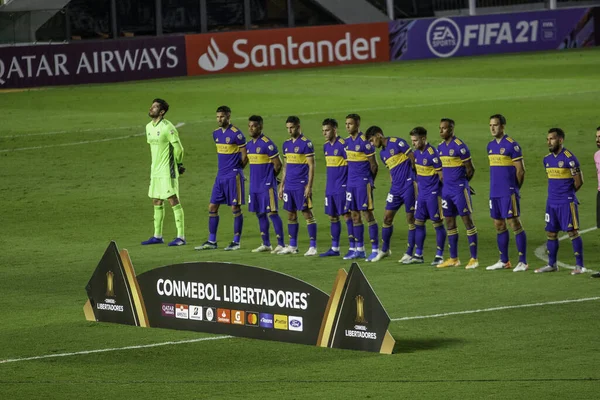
<point>470,169</point>
<point>441,176</point>
<point>373,165</point>
<point>411,157</point>
<point>277,165</point>
<point>577,177</point>
<point>310,160</point>
<point>244,154</point>
<point>520,171</point>
<point>280,189</point>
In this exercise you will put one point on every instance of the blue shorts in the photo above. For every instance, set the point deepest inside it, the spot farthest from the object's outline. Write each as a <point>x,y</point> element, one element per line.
<point>562,217</point>
<point>458,203</point>
<point>228,191</point>
<point>335,204</point>
<point>264,202</point>
<point>394,201</point>
<point>359,198</point>
<point>429,207</point>
<point>505,207</point>
<point>294,200</point>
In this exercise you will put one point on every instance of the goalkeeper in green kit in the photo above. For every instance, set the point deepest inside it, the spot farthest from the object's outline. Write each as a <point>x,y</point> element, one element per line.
<point>167,156</point>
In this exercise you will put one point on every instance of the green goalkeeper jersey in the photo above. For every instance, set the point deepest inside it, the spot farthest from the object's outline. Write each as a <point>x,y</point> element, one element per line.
<point>166,149</point>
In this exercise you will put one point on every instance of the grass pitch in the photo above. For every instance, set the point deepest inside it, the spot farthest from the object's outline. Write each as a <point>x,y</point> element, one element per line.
<point>74,169</point>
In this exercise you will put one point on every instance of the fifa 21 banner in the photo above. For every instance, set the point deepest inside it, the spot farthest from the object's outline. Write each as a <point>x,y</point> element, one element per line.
<point>239,300</point>
<point>491,34</point>
<point>92,62</point>
<point>263,50</point>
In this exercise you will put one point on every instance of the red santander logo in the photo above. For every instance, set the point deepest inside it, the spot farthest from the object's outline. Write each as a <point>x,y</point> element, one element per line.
<point>286,48</point>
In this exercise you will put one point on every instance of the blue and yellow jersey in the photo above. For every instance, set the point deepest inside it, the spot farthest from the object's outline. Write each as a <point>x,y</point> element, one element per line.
<point>452,156</point>
<point>503,174</point>
<point>262,171</point>
<point>428,164</point>
<point>229,142</point>
<point>358,152</point>
<point>560,170</point>
<point>296,151</point>
<point>337,166</point>
<point>395,158</point>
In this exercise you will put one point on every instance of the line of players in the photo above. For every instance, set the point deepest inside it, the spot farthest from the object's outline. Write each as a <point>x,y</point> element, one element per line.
<point>432,184</point>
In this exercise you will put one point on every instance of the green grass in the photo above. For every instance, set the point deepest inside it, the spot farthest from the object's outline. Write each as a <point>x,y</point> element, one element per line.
<point>63,203</point>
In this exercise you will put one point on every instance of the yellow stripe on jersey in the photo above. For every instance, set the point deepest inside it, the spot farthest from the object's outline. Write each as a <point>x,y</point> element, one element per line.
<point>336,161</point>
<point>451,161</point>
<point>357,156</point>
<point>423,170</point>
<point>272,200</point>
<point>293,158</point>
<point>497,160</point>
<point>559,173</point>
<point>395,160</point>
<point>574,216</point>
<point>227,148</point>
<point>259,159</point>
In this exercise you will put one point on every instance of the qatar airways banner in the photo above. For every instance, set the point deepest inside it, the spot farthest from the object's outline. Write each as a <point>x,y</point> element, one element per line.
<point>491,34</point>
<point>264,50</point>
<point>92,62</point>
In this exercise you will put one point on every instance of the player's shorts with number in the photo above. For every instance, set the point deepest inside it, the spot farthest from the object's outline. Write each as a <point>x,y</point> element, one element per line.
<point>294,200</point>
<point>335,204</point>
<point>562,217</point>
<point>228,191</point>
<point>163,188</point>
<point>458,203</point>
<point>429,207</point>
<point>359,198</point>
<point>505,207</point>
<point>263,202</point>
<point>406,197</point>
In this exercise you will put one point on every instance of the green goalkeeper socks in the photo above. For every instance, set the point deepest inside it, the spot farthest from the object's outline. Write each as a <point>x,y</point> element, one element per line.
<point>159,216</point>
<point>178,213</point>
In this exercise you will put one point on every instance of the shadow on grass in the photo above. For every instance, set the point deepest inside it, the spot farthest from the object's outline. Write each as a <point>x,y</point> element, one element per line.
<point>412,345</point>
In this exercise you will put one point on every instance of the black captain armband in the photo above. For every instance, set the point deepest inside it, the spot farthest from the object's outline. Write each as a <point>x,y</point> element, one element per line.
<point>575,171</point>
<point>180,169</point>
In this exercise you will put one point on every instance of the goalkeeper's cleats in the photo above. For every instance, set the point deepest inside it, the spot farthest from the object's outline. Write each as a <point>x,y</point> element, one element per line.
<point>153,240</point>
<point>177,242</point>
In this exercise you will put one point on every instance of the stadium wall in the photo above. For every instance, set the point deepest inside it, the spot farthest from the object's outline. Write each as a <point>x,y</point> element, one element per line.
<point>265,50</point>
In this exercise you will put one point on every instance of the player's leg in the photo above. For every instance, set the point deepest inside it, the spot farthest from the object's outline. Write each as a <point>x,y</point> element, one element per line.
<point>311,226</point>
<point>236,198</point>
<point>552,229</point>
<point>465,210</point>
<point>159,214</point>
<point>258,203</point>
<point>358,228</point>
<point>450,213</point>
<point>290,206</point>
<point>435,214</point>
<point>497,213</point>
<point>521,239</point>
<point>179,221</point>
<point>417,257</point>
<point>217,197</point>
<point>367,208</point>
<point>571,220</point>
<point>409,200</point>
<point>350,230</point>
<point>392,205</point>
<point>276,221</point>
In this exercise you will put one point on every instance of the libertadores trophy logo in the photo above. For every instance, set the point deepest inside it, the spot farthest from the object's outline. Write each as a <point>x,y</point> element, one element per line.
<point>213,60</point>
<point>360,310</point>
<point>110,284</point>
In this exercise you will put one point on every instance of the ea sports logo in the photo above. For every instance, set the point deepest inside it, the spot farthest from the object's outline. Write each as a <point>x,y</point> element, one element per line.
<point>443,37</point>
<point>213,59</point>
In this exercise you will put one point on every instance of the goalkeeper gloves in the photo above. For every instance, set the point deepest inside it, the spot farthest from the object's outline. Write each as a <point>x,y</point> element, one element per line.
<point>180,168</point>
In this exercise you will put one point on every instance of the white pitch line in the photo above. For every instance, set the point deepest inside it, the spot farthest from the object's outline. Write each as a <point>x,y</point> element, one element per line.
<point>83,142</point>
<point>495,309</point>
<point>144,346</point>
<point>540,252</point>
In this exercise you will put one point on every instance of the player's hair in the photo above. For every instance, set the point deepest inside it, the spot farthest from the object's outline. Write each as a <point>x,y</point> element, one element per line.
<point>419,131</point>
<point>292,119</point>
<point>598,128</point>
<point>164,106</point>
<point>450,121</point>
<point>256,118</point>
<point>331,122</point>
<point>372,131</point>
<point>559,132</point>
<point>224,109</point>
<point>500,118</point>
<point>354,117</point>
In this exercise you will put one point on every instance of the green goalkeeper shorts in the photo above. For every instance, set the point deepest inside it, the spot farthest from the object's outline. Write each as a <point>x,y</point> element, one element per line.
<point>163,188</point>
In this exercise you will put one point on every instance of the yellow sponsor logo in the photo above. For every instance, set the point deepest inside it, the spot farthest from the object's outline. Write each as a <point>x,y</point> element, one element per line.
<point>280,322</point>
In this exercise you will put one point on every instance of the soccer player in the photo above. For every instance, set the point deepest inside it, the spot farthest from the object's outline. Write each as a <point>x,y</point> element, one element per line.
<point>564,179</point>
<point>597,161</point>
<point>397,156</point>
<point>296,185</point>
<point>335,189</point>
<point>429,194</point>
<point>457,170</point>
<point>229,183</point>
<point>265,165</point>
<point>507,173</point>
<point>362,171</point>
<point>167,156</point>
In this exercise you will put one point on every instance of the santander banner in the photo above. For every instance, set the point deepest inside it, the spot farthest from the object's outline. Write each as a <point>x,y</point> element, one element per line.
<point>264,50</point>
<point>92,62</point>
